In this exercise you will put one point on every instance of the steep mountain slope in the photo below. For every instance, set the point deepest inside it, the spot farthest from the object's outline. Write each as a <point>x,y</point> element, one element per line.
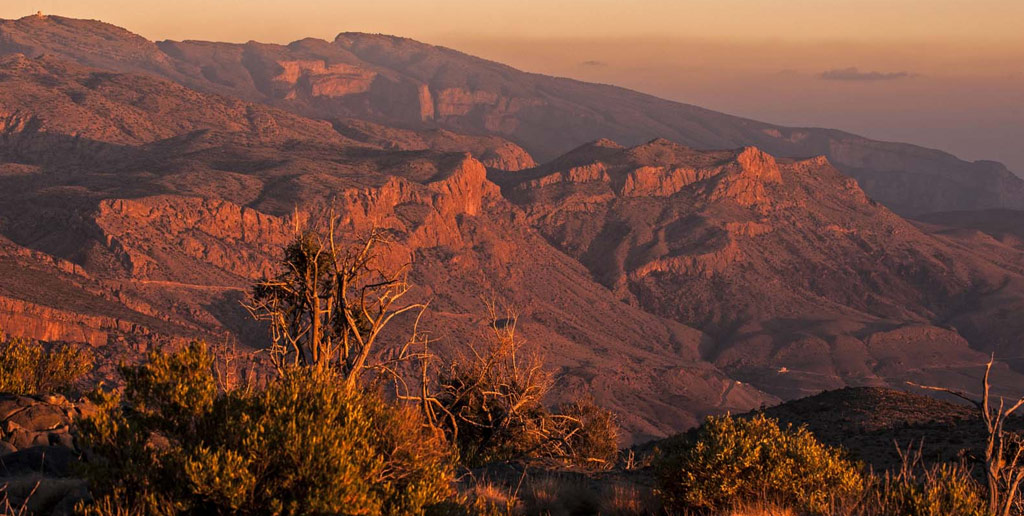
<point>1006,226</point>
<point>803,282</point>
<point>161,216</point>
<point>401,82</point>
<point>111,48</point>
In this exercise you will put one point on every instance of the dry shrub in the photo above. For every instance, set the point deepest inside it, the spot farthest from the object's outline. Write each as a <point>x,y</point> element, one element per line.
<point>591,434</point>
<point>305,444</point>
<point>919,490</point>
<point>330,303</point>
<point>761,510</point>
<point>561,495</point>
<point>1004,451</point>
<point>556,494</point>
<point>481,497</point>
<point>36,494</point>
<point>730,462</point>
<point>627,499</point>
<point>491,404</point>
<point>941,490</point>
<point>27,367</point>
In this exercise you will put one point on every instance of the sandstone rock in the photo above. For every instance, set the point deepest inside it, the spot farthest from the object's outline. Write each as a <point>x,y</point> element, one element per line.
<point>321,80</point>
<point>30,421</point>
<point>39,417</point>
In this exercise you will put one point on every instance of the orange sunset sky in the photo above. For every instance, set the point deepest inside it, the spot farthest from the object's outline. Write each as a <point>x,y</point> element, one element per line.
<point>943,73</point>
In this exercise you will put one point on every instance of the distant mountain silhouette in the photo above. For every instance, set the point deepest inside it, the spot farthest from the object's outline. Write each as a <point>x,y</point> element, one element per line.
<point>401,82</point>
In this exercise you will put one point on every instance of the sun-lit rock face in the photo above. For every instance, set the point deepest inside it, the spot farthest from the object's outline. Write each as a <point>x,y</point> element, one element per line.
<point>783,260</point>
<point>732,240</point>
<point>38,322</point>
<point>165,237</point>
<point>747,180</point>
<point>317,79</point>
<point>146,234</point>
<point>459,102</point>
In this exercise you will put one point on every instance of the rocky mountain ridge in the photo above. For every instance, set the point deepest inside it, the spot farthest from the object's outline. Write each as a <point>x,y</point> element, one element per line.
<point>802,281</point>
<point>163,235</point>
<point>404,83</point>
<point>136,208</point>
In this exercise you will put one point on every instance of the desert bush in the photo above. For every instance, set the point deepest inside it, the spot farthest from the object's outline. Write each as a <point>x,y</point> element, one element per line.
<point>305,444</point>
<point>590,434</point>
<point>27,367</point>
<point>916,489</point>
<point>940,490</point>
<point>729,462</point>
<point>491,404</point>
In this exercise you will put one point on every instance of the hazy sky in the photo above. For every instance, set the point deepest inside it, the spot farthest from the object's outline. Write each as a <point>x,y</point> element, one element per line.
<point>942,73</point>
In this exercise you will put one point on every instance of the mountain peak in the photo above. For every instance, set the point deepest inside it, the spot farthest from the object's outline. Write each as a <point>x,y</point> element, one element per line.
<point>759,164</point>
<point>604,143</point>
<point>88,42</point>
<point>40,20</point>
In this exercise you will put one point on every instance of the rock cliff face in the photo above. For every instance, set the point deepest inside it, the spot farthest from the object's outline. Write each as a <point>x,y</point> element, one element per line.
<point>787,264</point>
<point>48,324</point>
<point>47,300</point>
<point>398,81</point>
<point>317,79</point>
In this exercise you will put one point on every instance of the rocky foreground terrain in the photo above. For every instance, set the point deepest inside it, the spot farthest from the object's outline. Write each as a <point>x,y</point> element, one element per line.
<point>868,423</point>
<point>144,187</point>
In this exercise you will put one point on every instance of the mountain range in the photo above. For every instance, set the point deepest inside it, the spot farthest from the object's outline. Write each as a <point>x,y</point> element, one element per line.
<point>404,83</point>
<point>672,260</point>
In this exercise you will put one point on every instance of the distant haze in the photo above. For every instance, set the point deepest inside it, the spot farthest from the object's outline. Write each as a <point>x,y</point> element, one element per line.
<point>947,74</point>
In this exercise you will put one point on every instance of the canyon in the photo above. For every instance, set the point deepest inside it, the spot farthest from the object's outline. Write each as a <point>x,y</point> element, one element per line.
<point>672,261</point>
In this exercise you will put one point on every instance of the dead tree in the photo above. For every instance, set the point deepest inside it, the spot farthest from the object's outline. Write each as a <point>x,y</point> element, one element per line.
<point>1004,471</point>
<point>328,306</point>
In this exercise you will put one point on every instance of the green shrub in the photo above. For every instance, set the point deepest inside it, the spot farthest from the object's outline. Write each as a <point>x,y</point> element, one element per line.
<point>730,461</point>
<point>939,490</point>
<point>303,445</point>
<point>26,367</point>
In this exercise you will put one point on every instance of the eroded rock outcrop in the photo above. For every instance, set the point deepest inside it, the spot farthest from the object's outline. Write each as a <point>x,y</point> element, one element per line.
<point>38,453</point>
<point>38,420</point>
<point>747,180</point>
<point>318,79</point>
<point>44,323</point>
<point>780,259</point>
<point>143,233</point>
